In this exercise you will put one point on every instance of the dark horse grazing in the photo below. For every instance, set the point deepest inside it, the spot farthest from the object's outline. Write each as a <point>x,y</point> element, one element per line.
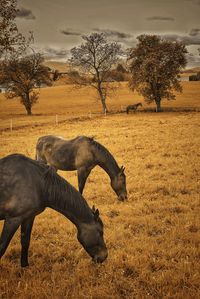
<point>133,107</point>
<point>82,154</point>
<point>27,187</point>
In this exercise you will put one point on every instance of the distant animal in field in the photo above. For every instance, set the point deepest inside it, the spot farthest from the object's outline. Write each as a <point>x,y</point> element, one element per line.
<point>133,107</point>
<point>27,187</point>
<point>82,154</point>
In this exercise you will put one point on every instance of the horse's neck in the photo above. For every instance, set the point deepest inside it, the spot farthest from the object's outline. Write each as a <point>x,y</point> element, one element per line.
<point>107,162</point>
<point>72,205</point>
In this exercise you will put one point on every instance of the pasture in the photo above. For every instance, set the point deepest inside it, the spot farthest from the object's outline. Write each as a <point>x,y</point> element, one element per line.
<point>152,239</point>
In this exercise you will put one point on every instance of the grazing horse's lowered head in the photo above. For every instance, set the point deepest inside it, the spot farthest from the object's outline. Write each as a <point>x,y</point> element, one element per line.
<point>118,184</point>
<point>91,238</point>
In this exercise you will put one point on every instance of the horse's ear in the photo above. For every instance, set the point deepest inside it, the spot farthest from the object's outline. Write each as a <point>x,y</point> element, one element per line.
<point>96,214</point>
<point>122,169</point>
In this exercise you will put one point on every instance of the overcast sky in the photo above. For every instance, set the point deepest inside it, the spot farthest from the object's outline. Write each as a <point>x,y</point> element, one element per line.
<point>58,25</point>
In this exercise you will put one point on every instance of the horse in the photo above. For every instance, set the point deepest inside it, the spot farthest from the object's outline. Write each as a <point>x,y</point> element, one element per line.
<point>82,154</point>
<point>27,187</point>
<point>133,107</point>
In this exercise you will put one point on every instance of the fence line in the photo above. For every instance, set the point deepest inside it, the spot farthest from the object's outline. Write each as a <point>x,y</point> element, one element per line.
<point>15,124</point>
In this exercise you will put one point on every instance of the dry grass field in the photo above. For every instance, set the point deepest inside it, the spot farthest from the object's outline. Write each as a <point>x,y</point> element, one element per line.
<point>153,238</point>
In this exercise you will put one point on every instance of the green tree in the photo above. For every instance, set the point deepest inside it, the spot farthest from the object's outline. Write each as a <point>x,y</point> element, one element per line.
<point>95,58</point>
<point>155,66</point>
<point>22,77</point>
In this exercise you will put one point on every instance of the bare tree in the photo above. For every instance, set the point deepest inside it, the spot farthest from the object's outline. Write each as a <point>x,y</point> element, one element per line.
<point>155,65</point>
<point>22,77</point>
<point>94,60</point>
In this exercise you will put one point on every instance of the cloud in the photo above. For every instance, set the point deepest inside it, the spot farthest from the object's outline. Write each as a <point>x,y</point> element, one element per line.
<point>160,18</point>
<point>52,53</point>
<point>113,33</point>
<point>193,60</point>
<point>25,13</point>
<point>185,39</point>
<point>70,32</point>
<point>197,2</point>
<point>194,32</point>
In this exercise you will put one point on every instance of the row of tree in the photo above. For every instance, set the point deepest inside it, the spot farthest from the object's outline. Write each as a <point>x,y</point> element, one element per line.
<point>154,64</point>
<point>195,77</point>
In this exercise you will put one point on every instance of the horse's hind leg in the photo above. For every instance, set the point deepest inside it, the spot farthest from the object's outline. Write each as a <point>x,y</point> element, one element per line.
<point>9,228</point>
<point>26,228</point>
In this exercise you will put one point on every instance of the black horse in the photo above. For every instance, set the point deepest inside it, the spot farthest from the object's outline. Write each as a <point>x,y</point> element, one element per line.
<point>27,187</point>
<point>82,154</point>
<point>133,107</point>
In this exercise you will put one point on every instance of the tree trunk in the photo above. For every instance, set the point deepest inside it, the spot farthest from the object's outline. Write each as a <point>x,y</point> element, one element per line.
<point>158,107</point>
<point>101,95</point>
<point>105,109</point>
<point>28,109</point>
<point>103,101</point>
<point>27,104</point>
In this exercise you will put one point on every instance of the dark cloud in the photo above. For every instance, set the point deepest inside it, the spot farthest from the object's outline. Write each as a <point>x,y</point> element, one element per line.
<point>114,33</point>
<point>194,32</point>
<point>69,32</point>
<point>185,39</point>
<point>160,18</point>
<point>25,13</point>
<point>54,53</point>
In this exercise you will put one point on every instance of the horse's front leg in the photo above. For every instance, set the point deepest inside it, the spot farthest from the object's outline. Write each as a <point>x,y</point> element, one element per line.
<point>9,228</point>
<point>83,174</point>
<point>26,228</point>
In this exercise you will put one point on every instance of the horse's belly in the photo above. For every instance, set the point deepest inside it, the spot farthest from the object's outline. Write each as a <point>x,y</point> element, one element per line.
<point>67,167</point>
<point>62,164</point>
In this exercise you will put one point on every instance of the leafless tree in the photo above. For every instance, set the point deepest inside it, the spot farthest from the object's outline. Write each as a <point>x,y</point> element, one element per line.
<point>94,60</point>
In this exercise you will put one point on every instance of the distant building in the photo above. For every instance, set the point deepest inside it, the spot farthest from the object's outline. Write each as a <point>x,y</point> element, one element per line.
<point>2,89</point>
<point>184,78</point>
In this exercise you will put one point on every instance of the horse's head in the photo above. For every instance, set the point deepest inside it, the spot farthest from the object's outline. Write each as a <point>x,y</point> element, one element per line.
<point>118,184</point>
<point>90,235</point>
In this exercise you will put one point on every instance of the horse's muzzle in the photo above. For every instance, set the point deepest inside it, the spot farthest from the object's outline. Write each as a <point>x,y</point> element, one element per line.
<point>122,197</point>
<point>100,258</point>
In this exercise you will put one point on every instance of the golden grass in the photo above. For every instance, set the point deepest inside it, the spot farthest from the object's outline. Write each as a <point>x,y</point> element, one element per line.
<point>153,238</point>
<point>68,103</point>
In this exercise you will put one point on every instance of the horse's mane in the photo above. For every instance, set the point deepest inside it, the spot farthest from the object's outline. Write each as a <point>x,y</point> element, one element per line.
<point>64,196</point>
<point>103,151</point>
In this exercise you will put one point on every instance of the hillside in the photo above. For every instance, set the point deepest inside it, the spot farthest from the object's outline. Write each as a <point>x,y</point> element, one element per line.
<point>57,65</point>
<point>71,103</point>
<point>192,70</point>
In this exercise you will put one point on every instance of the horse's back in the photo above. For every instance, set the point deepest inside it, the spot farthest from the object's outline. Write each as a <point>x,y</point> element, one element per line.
<point>20,185</point>
<point>64,154</point>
